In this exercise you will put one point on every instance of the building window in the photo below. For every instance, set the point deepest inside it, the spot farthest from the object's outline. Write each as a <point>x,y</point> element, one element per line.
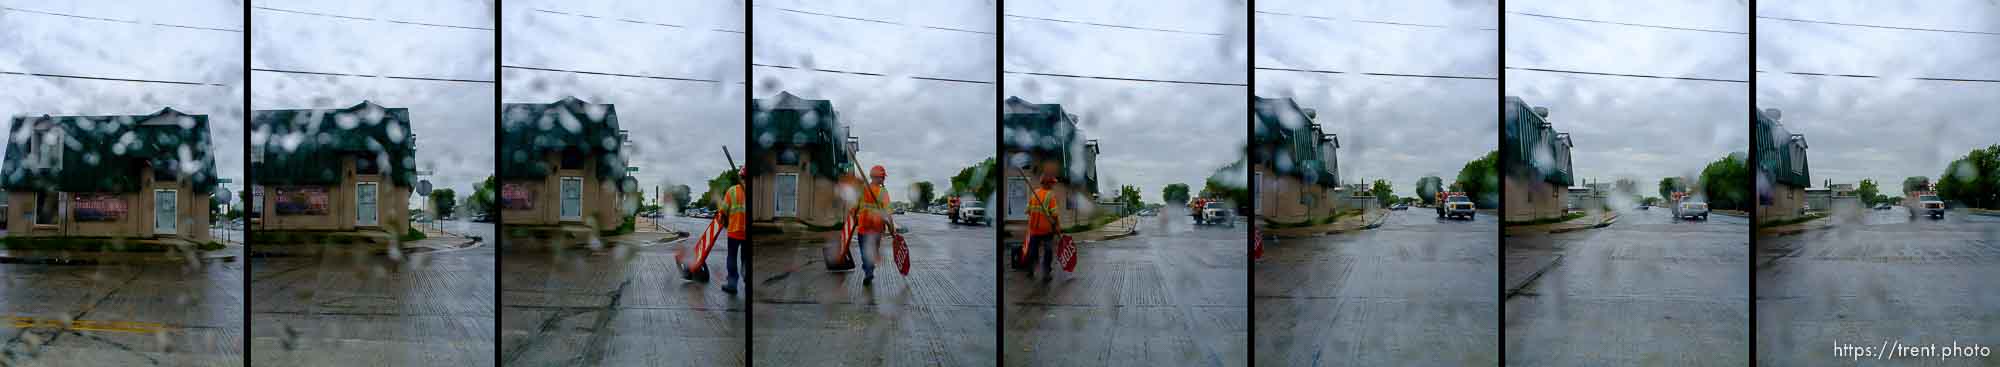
<point>572,159</point>
<point>48,207</point>
<point>49,149</point>
<point>1798,160</point>
<point>365,164</point>
<point>1017,195</point>
<point>571,191</point>
<point>788,157</point>
<point>168,171</point>
<point>256,201</point>
<point>787,204</point>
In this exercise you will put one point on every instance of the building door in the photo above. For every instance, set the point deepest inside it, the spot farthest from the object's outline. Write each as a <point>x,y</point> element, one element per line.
<point>365,212</point>
<point>787,204</point>
<point>164,207</point>
<point>572,198</point>
<point>1017,198</point>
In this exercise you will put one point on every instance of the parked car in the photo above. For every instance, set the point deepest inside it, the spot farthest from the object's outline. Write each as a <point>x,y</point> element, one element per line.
<point>1882,206</point>
<point>1399,207</point>
<point>482,218</point>
<point>1148,213</point>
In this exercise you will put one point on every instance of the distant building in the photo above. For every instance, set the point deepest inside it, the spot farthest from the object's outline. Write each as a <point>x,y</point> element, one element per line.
<point>140,176</point>
<point>1043,139</point>
<point>333,170</point>
<point>1535,164</point>
<point>565,165</point>
<point>800,156</point>
<point>1295,165</point>
<point>1782,169</point>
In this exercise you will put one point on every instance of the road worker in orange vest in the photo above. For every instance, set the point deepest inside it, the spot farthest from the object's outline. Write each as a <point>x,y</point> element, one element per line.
<point>733,211</point>
<point>1042,228</point>
<point>873,215</point>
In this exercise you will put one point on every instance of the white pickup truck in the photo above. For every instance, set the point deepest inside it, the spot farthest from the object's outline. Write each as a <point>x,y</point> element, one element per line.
<point>1925,202</point>
<point>1454,205</point>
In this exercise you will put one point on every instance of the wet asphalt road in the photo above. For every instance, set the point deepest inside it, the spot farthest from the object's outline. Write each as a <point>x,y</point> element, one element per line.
<point>123,315</point>
<point>1649,290</point>
<point>942,314</point>
<point>1174,295</point>
<point>621,307</point>
<point>1883,278</point>
<point>1417,291</point>
<point>431,309</point>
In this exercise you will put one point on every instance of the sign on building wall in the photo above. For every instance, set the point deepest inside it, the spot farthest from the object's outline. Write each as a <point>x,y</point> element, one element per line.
<point>98,207</point>
<point>301,200</point>
<point>516,196</point>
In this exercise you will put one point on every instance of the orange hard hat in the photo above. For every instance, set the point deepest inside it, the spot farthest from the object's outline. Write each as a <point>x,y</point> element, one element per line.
<point>877,171</point>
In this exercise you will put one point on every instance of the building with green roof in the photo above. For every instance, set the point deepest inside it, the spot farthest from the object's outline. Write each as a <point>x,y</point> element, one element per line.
<point>1296,165</point>
<point>1044,140</point>
<point>125,176</point>
<point>563,164</point>
<point>1535,163</point>
<point>800,153</point>
<point>332,170</point>
<point>1783,174</point>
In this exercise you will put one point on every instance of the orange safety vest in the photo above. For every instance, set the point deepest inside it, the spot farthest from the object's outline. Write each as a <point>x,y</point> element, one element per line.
<point>874,204</point>
<point>1041,213</point>
<point>732,207</point>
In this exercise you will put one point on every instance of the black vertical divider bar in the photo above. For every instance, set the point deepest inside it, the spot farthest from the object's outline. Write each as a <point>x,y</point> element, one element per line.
<point>1750,138</point>
<point>499,223</point>
<point>1249,136</point>
<point>749,198</point>
<point>1500,236</point>
<point>1000,158</point>
<point>248,183</point>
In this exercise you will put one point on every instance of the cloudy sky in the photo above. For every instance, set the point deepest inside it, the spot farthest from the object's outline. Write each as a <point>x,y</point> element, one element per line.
<point>1150,134</point>
<point>1882,128</point>
<point>453,120</point>
<point>1395,128</point>
<point>160,41</point>
<point>678,127</point>
<point>919,130</point>
<point>1628,127</point>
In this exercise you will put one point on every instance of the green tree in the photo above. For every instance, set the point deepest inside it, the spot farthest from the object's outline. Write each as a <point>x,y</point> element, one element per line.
<point>1973,180</point>
<point>716,187</point>
<point>1217,185</point>
<point>1671,185</point>
<point>482,200</point>
<point>680,194</point>
<point>925,192</point>
<point>977,179</point>
<point>1176,194</point>
<point>1384,193</point>
<point>1129,195</point>
<point>1480,179</point>
<point>445,201</point>
<point>1915,183</point>
<point>1626,186</point>
<point>1869,192</point>
<point>1427,189</point>
<point>1724,182</point>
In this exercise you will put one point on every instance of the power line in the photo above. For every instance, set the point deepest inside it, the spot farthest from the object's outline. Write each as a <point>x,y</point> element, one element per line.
<point>1436,76</point>
<point>697,80</point>
<point>1331,19</point>
<point>1628,24</point>
<point>369,19</point>
<point>1111,25</point>
<point>969,81</point>
<point>373,76</point>
<point>9,8</point>
<point>1628,75</point>
<point>875,20</point>
<point>1860,76</point>
<point>1129,79</point>
<point>86,77</point>
<point>1878,26</point>
<point>628,20</point>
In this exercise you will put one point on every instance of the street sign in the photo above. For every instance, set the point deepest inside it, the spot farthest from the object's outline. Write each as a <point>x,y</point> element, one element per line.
<point>630,169</point>
<point>223,195</point>
<point>424,187</point>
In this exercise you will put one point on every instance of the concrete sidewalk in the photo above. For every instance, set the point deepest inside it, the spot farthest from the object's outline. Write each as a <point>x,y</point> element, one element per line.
<point>1367,220</point>
<point>229,253</point>
<point>1524,268</point>
<point>1121,228</point>
<point>1586,222</point>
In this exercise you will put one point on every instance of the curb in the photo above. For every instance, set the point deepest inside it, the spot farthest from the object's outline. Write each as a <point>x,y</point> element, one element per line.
<point>1516,288</point>
<point>98,258</point>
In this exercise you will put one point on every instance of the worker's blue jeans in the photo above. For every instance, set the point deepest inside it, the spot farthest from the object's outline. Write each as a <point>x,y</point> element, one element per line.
<point>869,240</point>
<point>733,245</point>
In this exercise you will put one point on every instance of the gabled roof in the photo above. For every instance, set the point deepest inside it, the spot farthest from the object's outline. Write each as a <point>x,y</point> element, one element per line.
<point>1774,145</point>
<point>786,121</point>
<point>1050,130</point>
<point>303,146</point>
<point>529,131</point>
<point>1273,141</point>
<point>105,153</point>
<point>1524,134</point>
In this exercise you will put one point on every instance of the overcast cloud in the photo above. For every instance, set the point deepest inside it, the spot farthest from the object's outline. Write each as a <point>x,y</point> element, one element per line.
<point>919,130</point>
<point>678,128</point>
<point>1883,129</point>
<point>1150,134</point>
<point>35,42</point>
<point>453,121</point>
<point>1394,128</point>
<point>1638,128</point>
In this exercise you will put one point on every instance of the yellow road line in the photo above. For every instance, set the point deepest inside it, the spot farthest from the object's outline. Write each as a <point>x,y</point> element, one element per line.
<point>89,325</point>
